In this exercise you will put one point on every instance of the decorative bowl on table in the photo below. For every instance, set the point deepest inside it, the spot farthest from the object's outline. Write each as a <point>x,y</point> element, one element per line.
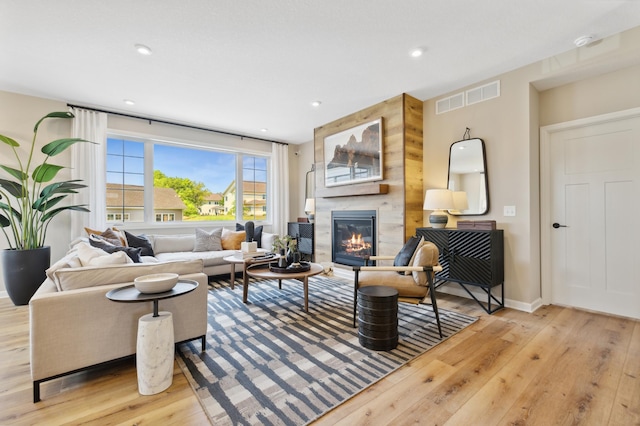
<point>156,283</point>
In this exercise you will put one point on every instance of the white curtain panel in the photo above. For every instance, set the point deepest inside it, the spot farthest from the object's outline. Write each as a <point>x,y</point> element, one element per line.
<point>88,164</point>
<point>280,188</point>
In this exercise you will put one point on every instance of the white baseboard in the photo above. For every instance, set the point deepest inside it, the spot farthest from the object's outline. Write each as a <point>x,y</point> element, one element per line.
<point>4,294</point>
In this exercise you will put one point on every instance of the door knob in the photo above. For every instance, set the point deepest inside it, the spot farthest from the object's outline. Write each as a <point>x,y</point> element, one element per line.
<point>557,225</point>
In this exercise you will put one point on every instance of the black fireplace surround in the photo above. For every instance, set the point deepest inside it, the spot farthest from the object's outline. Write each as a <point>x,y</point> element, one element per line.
<point>353,235</point>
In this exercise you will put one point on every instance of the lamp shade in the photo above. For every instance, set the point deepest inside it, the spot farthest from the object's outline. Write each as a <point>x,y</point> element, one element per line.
<point>438,199</point>
<point>310,205</point>
<point>460,201</point>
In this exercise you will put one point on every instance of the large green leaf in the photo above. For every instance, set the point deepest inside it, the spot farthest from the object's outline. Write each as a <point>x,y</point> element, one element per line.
<point>13,188</point>
<point>4,222</point>
<point>55,212</point>
<point>43,204</point>
<point>63,114</point>
<point>18,174</point>
<point>11,210</point>
<point>45,172</point>
<point>58,146</point>
<point>66,187</point>
<point>8,140</point>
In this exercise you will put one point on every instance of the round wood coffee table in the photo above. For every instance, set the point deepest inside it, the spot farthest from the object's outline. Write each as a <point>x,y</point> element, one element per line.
<point>262,271</point>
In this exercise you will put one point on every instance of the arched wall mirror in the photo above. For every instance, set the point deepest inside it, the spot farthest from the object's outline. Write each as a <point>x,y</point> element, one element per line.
<point>468,177</point>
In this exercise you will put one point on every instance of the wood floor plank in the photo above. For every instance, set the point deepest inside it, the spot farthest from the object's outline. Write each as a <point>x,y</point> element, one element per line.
<point>554,366</point>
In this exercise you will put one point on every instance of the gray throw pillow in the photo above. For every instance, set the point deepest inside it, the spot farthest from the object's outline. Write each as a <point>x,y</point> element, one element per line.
<point>140,241</point>
<point>208,241</point>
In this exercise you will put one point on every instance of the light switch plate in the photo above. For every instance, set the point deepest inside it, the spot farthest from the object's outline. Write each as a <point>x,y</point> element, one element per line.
<point>509,210</point>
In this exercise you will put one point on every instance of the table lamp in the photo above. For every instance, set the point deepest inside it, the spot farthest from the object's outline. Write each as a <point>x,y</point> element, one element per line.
<point>310,209</point>
<point>438,200</point>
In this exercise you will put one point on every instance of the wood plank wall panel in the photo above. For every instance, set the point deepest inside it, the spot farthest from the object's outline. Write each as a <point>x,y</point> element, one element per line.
<point>400,210</point>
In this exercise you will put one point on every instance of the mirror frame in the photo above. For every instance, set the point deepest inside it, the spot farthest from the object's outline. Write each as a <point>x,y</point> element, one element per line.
<point>486,177</point>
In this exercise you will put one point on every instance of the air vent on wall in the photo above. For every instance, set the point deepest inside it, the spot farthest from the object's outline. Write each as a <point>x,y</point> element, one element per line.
<point>452,102</point>
<point>470,97</point>
<point>483,93</point>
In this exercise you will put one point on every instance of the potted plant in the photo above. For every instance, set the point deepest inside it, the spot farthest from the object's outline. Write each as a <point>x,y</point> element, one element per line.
<point>286,246</point>
<point>28,203</point>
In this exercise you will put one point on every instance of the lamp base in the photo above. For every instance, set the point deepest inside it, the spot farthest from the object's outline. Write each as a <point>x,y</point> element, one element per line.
<point>438,219</point>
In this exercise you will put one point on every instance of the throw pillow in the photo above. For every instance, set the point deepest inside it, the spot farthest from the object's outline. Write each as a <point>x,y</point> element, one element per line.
<point>420,244</point>
<point>110,234</point>
<point>132,252</point>
<point>257,233</point>
<point>208,241</point>
<point>231,240</point>
<point>405,254</point>
<point>427,255</point>
<point>89,256</point>
<point>118,258</point>
<point>140,241</point>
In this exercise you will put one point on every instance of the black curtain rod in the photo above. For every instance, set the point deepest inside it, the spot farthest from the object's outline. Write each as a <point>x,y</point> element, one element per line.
<point>177,124</point>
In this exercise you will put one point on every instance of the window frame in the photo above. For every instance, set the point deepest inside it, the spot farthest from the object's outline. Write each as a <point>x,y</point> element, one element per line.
<point>149,141</point>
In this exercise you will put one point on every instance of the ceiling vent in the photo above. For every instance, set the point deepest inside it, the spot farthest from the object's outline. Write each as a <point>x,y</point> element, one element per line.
<point>448,104</point>
<point>483,93</point>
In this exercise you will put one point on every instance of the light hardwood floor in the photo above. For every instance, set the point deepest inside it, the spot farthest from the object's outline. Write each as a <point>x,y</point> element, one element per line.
<point>557,366</point>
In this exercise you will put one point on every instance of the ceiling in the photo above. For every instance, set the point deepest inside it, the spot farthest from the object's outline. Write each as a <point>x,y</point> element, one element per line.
<point>245,66</point>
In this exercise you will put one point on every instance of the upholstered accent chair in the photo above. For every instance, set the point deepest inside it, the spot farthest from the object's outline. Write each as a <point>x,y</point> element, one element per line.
<point>413,281</point>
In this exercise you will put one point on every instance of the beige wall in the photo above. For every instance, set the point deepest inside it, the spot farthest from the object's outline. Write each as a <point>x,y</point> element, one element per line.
<point>19,115</point>
<point>583,82</point>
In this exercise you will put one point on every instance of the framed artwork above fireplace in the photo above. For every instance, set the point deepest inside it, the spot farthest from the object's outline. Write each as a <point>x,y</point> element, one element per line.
<point>354,155</point>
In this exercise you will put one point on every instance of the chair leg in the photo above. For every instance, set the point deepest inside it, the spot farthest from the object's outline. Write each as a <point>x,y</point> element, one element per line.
<point>434,304</point>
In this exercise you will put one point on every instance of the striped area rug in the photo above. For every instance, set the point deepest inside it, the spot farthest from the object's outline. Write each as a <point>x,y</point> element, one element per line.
<point>270,363</point>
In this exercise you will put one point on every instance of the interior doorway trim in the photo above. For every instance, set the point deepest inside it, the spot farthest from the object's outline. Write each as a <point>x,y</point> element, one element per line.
<point>546,133</point>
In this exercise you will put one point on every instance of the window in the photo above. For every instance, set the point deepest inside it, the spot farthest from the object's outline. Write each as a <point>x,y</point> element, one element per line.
<point>149,181</point>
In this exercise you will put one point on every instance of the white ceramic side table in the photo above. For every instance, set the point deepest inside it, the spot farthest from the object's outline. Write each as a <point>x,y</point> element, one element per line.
<point>155,346</point>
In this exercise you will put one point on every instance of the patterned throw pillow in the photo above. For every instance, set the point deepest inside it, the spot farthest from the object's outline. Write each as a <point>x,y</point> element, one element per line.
<point>99,242</point>
<point>208,241</point>
<point>113,235</point>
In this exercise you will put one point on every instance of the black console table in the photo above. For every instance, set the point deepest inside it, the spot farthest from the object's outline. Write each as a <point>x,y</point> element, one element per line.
<point>470,258</point>
<point>303,232</point>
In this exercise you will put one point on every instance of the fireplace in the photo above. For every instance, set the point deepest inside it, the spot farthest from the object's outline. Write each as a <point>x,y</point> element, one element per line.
<point>353,235</point>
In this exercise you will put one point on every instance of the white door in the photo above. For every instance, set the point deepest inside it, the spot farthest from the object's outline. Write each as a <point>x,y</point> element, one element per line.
<point>591,214</point>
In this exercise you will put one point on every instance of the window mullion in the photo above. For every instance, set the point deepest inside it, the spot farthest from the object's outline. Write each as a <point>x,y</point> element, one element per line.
<point>149,210</point>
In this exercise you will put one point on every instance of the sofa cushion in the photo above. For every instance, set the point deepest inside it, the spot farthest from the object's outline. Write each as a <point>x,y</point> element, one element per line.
<point>172,243</point>
<point>140,241</point>
<point>90,256</point>
<point>209,258</point>
<point>232,240</point>
<point>207,241</point>
<point>91,276</point>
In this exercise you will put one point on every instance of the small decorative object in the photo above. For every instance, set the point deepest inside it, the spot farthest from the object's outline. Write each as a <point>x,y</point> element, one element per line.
<point>156,283</point>
<point>438,200</point>
<point>286,246</point>
<point>291,269</point>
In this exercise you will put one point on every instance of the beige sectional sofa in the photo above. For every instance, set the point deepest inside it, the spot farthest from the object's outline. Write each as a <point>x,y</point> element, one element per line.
<point>74,326</point>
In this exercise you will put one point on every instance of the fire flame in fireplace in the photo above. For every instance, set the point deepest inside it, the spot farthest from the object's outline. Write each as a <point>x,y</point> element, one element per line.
<point>356,244</point>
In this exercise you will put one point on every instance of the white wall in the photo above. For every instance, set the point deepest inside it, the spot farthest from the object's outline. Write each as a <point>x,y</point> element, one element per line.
<point>587,81</point>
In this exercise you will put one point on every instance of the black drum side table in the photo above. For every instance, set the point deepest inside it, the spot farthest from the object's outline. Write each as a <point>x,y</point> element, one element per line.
<point>378,317</point>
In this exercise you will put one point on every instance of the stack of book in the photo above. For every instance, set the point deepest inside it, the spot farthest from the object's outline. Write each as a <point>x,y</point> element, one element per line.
<point>248,255</point>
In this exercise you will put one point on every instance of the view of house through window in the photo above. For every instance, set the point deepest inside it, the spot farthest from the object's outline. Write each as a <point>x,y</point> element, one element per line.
<point>189,184</point>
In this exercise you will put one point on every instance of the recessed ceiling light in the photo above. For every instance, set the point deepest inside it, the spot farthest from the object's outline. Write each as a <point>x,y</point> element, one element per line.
<point>264,130</point>
<point>129,102</point>
<point>316,103</point>
<point>143,50</point>
<point>583,40</point>
<point>416,53</point>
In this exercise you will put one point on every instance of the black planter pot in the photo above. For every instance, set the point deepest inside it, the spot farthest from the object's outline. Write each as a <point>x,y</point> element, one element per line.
<point>23,272</point>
